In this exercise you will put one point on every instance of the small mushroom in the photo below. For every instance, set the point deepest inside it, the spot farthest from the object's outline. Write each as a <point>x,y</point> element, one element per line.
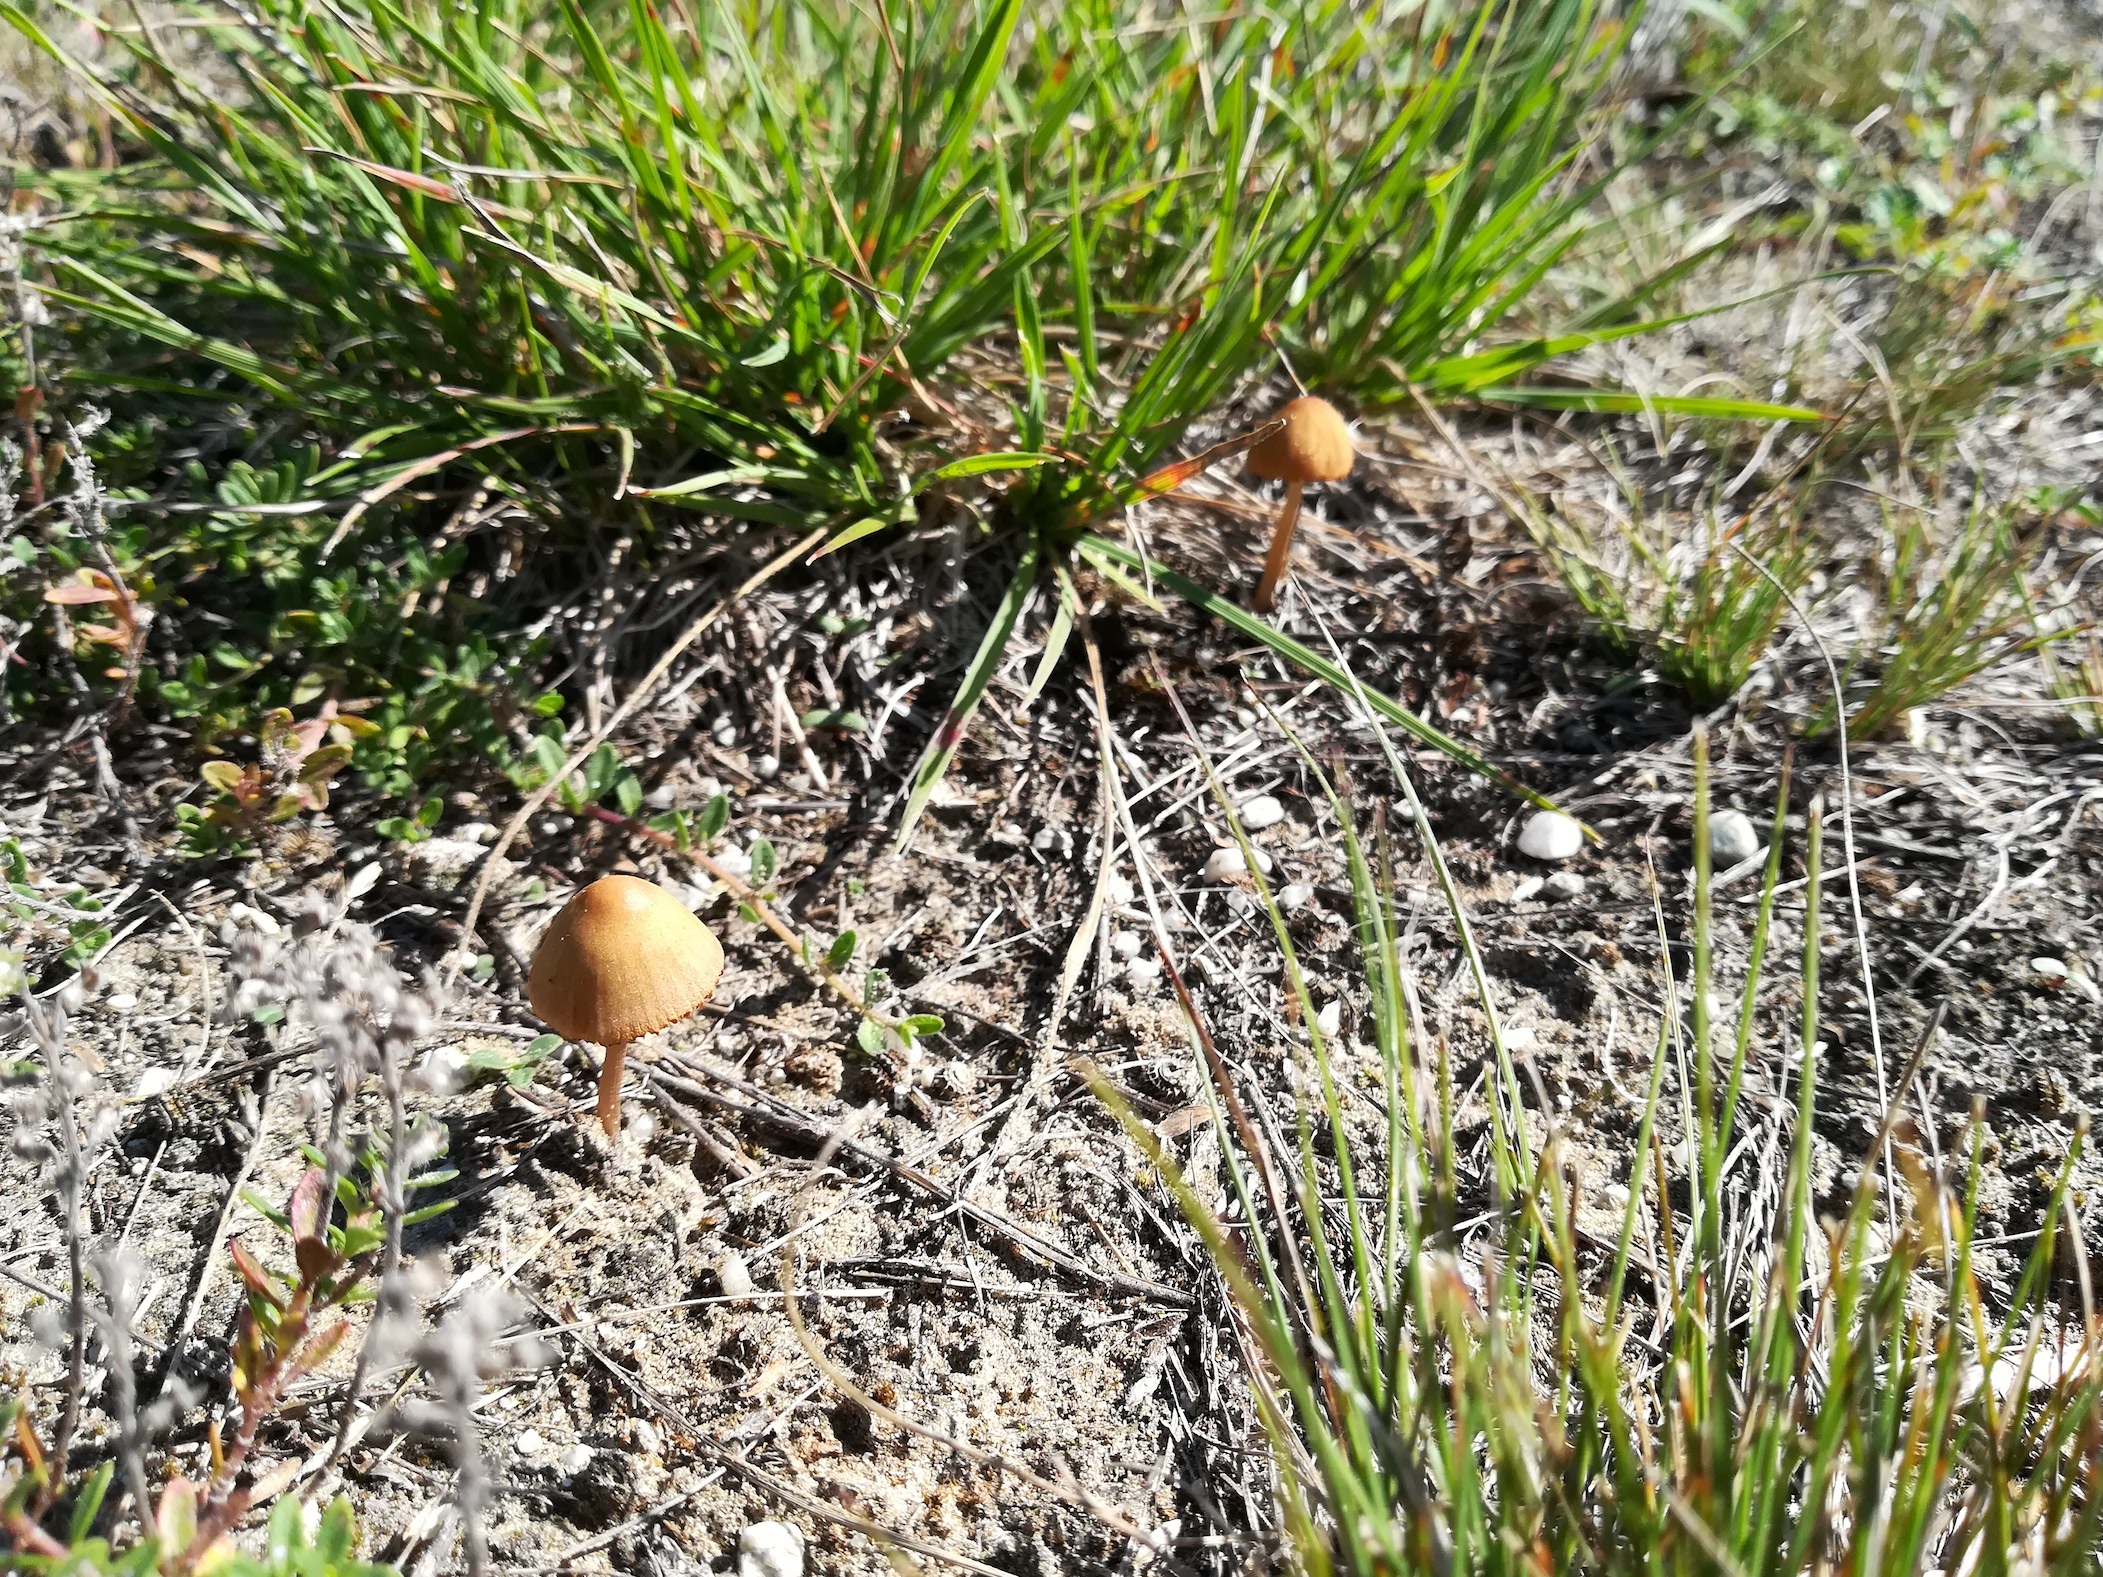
<point>1314,445</point>
<point>623,960</point>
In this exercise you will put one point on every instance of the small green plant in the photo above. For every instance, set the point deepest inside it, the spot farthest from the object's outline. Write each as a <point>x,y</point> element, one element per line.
<point>516,1063</point>
<point>293,776</point>
<point>285,1331</point>
<point>71,919</point>
<point>171,1548</point>
<point>1951,610</point>
<point>1685,590</point>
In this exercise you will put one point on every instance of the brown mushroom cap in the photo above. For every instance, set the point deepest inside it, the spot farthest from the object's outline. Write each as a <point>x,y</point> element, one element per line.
<point>624,958</point>
<point>1314,445</point>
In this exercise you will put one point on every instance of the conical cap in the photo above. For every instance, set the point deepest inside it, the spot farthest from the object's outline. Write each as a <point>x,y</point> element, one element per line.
<point>1314,445</point>
<point>624,958</point>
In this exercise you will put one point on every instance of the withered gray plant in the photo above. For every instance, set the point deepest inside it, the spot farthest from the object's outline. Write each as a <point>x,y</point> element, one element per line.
<point>64,1118</point>
<point>467,1347</point>
<point>335,978</point>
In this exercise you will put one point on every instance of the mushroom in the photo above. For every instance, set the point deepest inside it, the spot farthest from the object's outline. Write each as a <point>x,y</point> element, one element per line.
<point>623,960</point>
<point>1314,445</point>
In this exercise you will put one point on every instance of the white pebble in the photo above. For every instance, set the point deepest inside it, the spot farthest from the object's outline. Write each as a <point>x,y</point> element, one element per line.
<point>770,1549</point>
<point>725,733</point>
<point>1295,895</point>
<point>1529,888</point>
<point>1520,1039</point>
<point>662,797</point>
<point>1226,865</point>
<point>733,1277</point>
<point>1261,812</point>
<point>530,1443</point>
<point>1331,1017</point>
<point>1732,838</point>
<point>254,918</point>
<point>765,767</point>
<point>1125,944</point>
<point>1562,886</point>
<point>153,1081</point>
<point>736,861</point>
<point>121,1002</point>
<point>1143,971</point>
<point>1121,890</point>
<point>2052,971</point>
<point>576,1459</point>
<point>476,831</point>
<point>1550,835</point>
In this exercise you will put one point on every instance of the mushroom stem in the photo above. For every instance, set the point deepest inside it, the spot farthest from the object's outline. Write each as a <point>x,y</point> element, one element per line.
<point>1279,554</point>
<point>610,1089</point>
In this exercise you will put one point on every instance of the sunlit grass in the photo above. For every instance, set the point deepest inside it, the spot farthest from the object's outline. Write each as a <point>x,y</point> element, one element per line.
<point>1714,1386</point>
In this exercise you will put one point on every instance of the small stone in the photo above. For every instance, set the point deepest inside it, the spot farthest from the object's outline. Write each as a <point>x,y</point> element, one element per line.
<point>476,831</point>
<point>1261,812</point>
<point>662,797</point>
<point>153,1081</point>
<point>733,1277</point>
<point>1143,971</point>
<point>254,918</point>
<point>766,768</point>
<point>2050,971</point>
<point>734,860</point>
<point>1520,1039</point>
<point>724,733</point>
<point>770,1549</point>
<point>441,864</point>
<point>1125,944</point>
<point>1226,865</point>
<point>530,1443</point>
<point>1732,838</point>
<point>1294,896</point>
<point>1330,1019</point>
<point>1550,835</point>
<point>1528,889</point>
<point>576,1459</point>
<point>1563,886</point>
<point>121,1002</point>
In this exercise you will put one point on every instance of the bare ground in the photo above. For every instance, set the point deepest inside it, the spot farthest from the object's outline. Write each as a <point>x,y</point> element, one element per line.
<point>1011,1275</point>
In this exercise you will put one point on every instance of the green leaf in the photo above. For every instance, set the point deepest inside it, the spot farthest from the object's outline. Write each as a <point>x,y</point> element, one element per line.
<point>985,464</point>
<point>869,1035</point>
<point>429,811</point>
<point>628,793</point>
<point>90,1501</point>
<point>841,953</point>
<point>921,1024</point>
<point>714,817</point>
<point>1697,405</point>
<point>762,856</point>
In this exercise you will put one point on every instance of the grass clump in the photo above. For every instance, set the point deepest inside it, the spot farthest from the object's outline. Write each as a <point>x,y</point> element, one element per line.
<point>1456,1377</point>
<point>682,275</point>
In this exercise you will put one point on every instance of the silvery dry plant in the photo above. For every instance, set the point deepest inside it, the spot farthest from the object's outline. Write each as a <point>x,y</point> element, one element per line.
<point>342,992</point>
